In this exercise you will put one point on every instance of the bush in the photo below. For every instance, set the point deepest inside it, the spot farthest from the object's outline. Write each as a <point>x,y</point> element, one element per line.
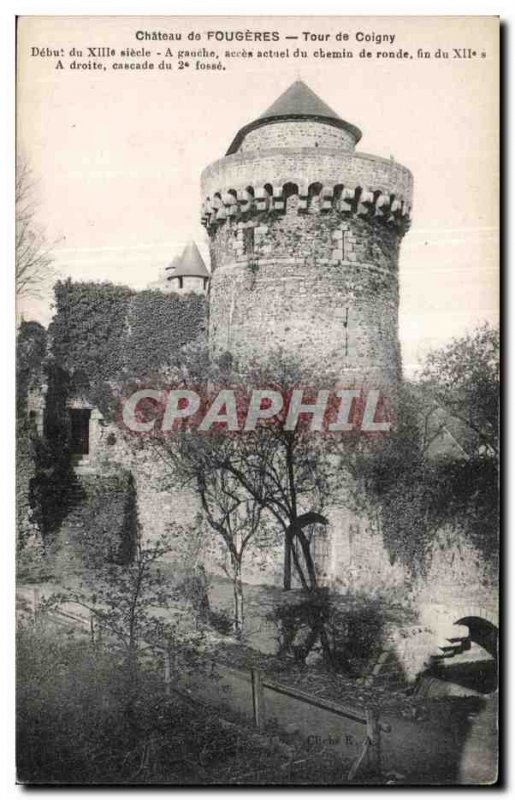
<point>105,525</point>
<point>352,625</point>
<point>70,718</point>
<point>73,726</point>
<point>222,622</point>
<point>356,627</point>
<point>300,624</point>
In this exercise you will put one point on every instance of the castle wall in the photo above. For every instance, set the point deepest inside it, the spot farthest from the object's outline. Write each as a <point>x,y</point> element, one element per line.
<point>305,237</point>
<point>304,252</point>
<point>161,499</point>
<point>323,288</point>
<point>297,133</point>
<point>189,284</point>
<point>332,167</point>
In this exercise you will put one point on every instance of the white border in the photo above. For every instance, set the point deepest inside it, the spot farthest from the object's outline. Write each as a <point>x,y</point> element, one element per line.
<point>502,8</point>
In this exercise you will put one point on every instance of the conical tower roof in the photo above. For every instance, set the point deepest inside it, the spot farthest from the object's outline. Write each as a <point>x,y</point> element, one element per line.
<point>189,264</point>
<point>297,102</point>
<point>174,263</point>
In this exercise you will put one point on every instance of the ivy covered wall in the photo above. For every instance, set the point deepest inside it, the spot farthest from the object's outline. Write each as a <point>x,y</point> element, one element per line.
<point>160,325</point>
<point>102,337</point>
<point>102,526</point>
<point>103,334</point>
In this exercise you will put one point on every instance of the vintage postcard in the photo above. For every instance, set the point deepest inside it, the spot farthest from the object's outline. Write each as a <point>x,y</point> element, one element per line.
<point>257,303</point>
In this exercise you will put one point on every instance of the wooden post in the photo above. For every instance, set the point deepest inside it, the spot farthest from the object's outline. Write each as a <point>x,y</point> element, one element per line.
<point>374,737</point>
<point>370,751</point>
<point>258,699</point>
<point>92,627</point>
<point>356,764</point>
<point>167,670</point>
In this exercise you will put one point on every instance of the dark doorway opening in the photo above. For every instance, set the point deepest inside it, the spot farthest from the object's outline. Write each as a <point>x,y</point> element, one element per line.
<point>79,418</point>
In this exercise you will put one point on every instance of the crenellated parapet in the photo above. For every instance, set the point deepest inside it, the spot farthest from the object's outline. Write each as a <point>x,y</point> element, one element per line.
<point>315,198</point>
<point>369,187</point>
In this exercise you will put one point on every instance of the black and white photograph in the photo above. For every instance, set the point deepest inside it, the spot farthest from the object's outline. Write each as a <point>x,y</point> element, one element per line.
<point>257,400</point>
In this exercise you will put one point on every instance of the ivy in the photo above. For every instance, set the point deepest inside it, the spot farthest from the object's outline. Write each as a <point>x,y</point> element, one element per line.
<point>30,362</point>
<point>105,335</point>
<point>105,524</point>
<point>102,336</point>
<point>160,326</point>
<point>51,489</point>
<point>31,346</point>
<point>89,330</point>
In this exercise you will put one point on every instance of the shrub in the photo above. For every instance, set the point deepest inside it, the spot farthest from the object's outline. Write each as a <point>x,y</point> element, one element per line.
<point>300,623</point>
<point>73,726</point>
<point>348,629</point>
<point>221,621</point>
<point>356,627</point>
<point>105,521</point>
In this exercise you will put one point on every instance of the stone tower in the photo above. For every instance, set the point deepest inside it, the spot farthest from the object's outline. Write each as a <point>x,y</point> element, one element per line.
<point>304,235</point>
<point>187,272</point>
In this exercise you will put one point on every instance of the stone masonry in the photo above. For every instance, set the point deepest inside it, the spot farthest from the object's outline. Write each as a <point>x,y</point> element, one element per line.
<point>304,236</point>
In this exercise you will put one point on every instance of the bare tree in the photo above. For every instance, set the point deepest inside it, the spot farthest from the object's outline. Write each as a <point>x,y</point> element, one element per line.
<point>267,477</point>
<point>268,474</point>
<point>33,253</point>
<point>237,519</point>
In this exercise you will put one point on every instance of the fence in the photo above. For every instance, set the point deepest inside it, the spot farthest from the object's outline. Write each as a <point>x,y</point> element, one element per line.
<point>353,733</point>
<point>370,748</point>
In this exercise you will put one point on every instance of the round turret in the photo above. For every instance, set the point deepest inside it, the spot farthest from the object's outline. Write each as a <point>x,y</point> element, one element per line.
<point>305,236</point>
<point>187,272</point>
<point>298,118</point>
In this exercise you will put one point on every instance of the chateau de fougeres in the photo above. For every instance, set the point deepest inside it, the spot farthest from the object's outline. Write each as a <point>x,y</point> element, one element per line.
<point>305,233</point>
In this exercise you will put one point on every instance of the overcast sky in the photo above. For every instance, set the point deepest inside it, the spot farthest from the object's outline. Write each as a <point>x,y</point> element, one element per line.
<point>118,155</point>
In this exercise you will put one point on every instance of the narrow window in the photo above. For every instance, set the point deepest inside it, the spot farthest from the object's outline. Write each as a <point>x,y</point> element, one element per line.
<point>248,239</point>
<point>346,329</point>
<point>344,245</point>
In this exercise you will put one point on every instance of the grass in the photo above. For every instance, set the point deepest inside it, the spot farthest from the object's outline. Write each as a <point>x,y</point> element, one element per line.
<point>80,720</point>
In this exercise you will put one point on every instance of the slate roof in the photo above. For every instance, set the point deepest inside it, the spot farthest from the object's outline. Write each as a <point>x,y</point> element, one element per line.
<point>172,266</point>
<point>297,102</point>
<point>189,264</point>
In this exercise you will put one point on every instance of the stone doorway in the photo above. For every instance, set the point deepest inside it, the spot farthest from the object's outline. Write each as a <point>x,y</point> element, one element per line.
<point>79,423</point>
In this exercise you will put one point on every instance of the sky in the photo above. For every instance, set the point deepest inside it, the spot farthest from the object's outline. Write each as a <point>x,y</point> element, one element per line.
<point>117,155</point>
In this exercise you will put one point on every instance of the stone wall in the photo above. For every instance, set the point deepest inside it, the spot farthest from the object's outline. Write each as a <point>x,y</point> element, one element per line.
<point>331,167</point>
<point>359,560</point>
<point>322,288</point>
<point>100,525</point>
<point>297,133</point>
<point>190,283</point>
<point>305,237</point>
<point>161,500</point>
